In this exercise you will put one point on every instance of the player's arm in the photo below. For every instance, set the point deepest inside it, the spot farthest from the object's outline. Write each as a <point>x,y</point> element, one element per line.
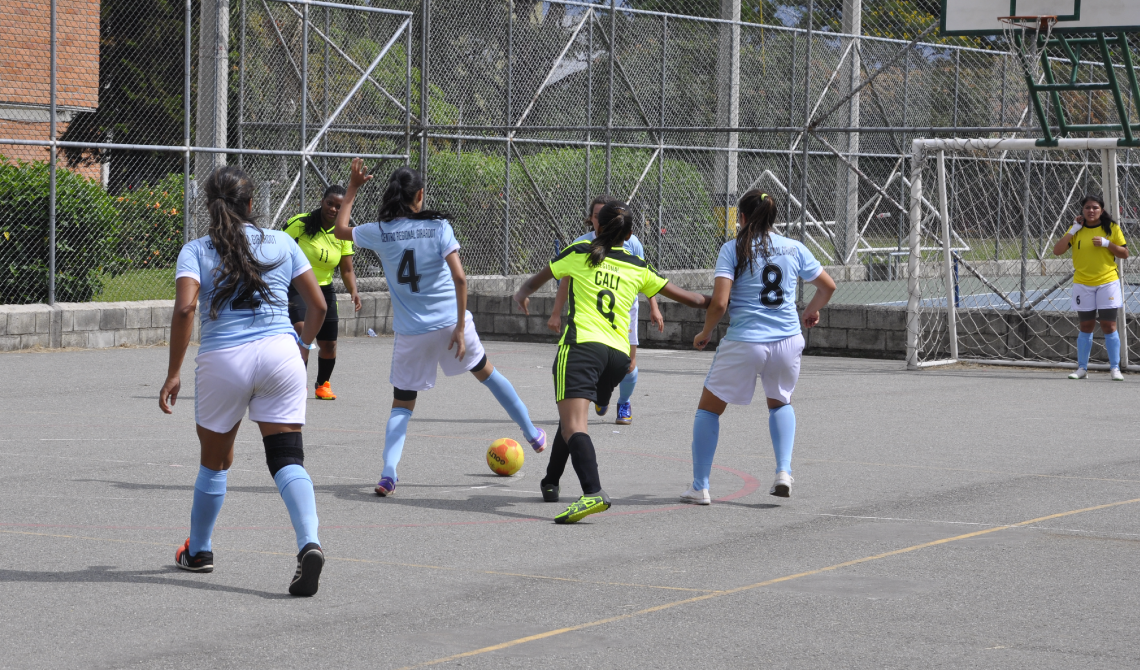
<point>348,276</point>
<point>459,278</point>
<point>824,288</point>
<point>181,327</point>
<point>358,176</point>
<point>522,296</point>
<point>718,305</point>
<point>315,309</point>
<point>1066,240</point>
<point>1115,244</point>
<point>655,315</point>
<point>555,321</point>
<point>674,292</point>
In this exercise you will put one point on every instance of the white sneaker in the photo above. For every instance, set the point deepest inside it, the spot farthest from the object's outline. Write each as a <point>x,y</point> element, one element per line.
<point>1116,376</point>
<point>1081,373</point>
<point>782,487</point>
<point>695,497</point>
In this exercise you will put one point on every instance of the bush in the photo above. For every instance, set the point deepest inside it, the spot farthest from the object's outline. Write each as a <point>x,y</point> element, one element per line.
<point>87,226</point>
<point>151,236</point>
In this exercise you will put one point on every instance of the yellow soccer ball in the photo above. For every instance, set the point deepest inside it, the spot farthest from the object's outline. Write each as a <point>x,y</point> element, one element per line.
<point>505,457</point>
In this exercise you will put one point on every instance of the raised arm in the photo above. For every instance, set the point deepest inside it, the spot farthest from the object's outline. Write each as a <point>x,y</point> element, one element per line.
<point>358,176</point>
<point>1066,240</point>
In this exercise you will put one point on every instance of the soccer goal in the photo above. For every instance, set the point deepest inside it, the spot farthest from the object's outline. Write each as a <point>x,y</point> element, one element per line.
<point>984,284</point>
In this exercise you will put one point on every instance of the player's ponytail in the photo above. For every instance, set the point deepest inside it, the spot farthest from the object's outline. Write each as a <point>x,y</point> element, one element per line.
<point>758,211</point>
<point>615,222</point>
<point>1106,220</point>
<point>400,195</point>
<point>228,195</point>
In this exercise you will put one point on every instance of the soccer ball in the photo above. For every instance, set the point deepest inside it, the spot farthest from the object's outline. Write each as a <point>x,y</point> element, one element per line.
<point>505,457</point>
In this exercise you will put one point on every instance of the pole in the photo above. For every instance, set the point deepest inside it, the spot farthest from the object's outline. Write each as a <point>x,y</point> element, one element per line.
<point>1025,194</point>
<point>661,142</point>
<point>425,31</point>
<point>304,103</point>
<point>507,120</point>
<point>589,108</point>
<point>241,91</point>
<point>947,261</point>
<point>610,102</point>
<point>52,167</point>
<point>914,288</point>
<point>187,196</point>
<point>728,109</point>
<point>213,86</point>
<point>807,120</point>
<point>847,184</point>
<point>1110,181</point>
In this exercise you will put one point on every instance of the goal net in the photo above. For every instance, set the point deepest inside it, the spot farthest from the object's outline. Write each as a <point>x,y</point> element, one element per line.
<point>984,284</point>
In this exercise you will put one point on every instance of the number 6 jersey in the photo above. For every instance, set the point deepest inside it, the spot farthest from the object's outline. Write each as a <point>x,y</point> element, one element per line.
<point>762,305</point>
<point>600,297</point>
<point>412,252</point>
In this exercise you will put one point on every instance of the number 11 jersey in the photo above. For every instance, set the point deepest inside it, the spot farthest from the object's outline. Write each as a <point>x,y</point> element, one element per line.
<point>412,252</point>
<point>762,304</point>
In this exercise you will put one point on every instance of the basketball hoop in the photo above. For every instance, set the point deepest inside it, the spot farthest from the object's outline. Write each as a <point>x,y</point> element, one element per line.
<point>1024,36</point>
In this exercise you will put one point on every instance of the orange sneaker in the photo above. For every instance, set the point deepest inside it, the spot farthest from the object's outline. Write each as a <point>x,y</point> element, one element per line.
<point>324,392</point>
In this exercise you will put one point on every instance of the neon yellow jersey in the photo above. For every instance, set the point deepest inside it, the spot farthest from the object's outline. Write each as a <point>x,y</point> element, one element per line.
<point>323,250</point>
<point>600,297</point>
<point>1093,265</point>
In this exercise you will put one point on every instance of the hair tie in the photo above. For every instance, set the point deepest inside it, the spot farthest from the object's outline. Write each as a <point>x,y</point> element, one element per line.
<point>763,196</point>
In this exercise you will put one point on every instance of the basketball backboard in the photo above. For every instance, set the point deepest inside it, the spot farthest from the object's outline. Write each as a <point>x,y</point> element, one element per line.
<point>980,17</point>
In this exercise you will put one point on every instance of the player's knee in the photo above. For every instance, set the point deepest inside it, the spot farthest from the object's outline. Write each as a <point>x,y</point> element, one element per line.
<point>283,449</point>
<point>402,395</point>
<point>480,365</point>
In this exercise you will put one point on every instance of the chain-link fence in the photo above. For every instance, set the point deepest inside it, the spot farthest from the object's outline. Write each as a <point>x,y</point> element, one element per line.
<point>519,113</point>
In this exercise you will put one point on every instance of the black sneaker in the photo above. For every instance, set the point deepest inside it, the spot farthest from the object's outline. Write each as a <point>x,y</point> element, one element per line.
<point>203,561</point>
<point>549,492</point>
<point>309,564</point>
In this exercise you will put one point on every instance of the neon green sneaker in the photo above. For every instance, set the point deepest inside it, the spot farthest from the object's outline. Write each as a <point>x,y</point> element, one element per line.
<point>584,507</point>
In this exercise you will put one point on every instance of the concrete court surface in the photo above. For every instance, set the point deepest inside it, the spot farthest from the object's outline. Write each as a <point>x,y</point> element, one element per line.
<point>935,522</point>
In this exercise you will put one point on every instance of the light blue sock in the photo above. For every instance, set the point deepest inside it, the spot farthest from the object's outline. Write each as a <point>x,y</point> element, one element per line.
<point>297,491</point>
<point>1084,348</point>
<point>782,426</point>
<point>1112,343</point>
<point>209,494</point>
<point>706,432</point>
<point>394,439</point>
<point>505,393</point>
<point>625,389</point>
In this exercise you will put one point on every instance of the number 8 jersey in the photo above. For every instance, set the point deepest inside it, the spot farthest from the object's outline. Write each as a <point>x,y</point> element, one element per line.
<point>762,305</point>
<point>412,252</point>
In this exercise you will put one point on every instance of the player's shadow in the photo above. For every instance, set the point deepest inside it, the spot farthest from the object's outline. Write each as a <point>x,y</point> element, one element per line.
<point>751,505</point>
<point>105,574</point>
<point>135,486</point>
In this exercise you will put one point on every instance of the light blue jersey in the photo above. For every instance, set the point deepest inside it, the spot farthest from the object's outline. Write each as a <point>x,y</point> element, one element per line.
<point>246,318</point>
<point>412,252</point>
<point>632,245</point>
<point>762,305</point>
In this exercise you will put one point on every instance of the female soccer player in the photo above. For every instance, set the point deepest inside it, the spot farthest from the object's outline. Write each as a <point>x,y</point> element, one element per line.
<point>420,256</point>
<point>238,276</point>
<point>314,234</point>
<point>604,280</point>
<point>1097,242</point>
<point>755,280</point>
<point>629,382</point>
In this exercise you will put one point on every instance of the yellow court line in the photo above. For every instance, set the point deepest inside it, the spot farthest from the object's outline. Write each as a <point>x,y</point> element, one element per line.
<point>376,562</point>
<point>750,587</point>
<point>949,469</point>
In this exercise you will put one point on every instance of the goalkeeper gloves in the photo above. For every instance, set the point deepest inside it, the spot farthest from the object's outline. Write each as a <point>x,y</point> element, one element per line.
<point>1101,241</point>
<point>1076,227</point>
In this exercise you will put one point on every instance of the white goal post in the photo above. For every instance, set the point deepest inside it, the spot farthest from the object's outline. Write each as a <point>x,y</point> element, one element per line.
<point>983,283</point>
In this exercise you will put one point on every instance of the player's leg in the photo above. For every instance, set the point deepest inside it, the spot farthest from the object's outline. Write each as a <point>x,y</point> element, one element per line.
<point>415,363</point>
<point>559,454</point>
<point>706,434</point>
<point>1084,304</point>
<point>326,345</point>
<point>395,433</point>
<point>629,382</point>
<point>779,375</point>
<point>1108,303</point>
<point>278,407</point>
<point>579,373</point>
<point>217,449</point>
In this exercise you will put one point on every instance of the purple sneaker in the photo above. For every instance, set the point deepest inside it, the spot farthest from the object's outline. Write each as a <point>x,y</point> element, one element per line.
<point>539,443</point>
<point>385,487</point>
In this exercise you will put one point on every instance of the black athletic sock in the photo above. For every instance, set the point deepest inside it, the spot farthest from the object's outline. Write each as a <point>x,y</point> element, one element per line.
<point>559,453</point>
<point>585,463</point>
<point>324,369</point>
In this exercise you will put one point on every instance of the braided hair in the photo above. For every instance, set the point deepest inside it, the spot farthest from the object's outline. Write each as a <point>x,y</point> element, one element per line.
<point>615,222</point>
<point>315,220</point>
<point>759,211</point>
<point>1105,218</point>
<point>228,194</point>
<point>400,195</point>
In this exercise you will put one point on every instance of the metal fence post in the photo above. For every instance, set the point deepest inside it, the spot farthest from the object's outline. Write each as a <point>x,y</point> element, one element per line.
<point>807,120</point>
<point>187,200</point>
<point>914,287</point>
<point>507,123</point>
<point>661,145</point>
<point>52,167</point>
<point>948,265</point>
<point>304,104</point>
<point>1111,186</point>
<point>610,100</point>
<point>425,29</point>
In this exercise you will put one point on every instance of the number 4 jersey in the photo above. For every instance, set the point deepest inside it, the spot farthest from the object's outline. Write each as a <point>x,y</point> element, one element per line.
<point>412,252</point>
<point>762,305</point>
<point>600,297</point>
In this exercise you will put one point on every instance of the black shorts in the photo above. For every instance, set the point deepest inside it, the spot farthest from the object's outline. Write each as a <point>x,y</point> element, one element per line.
<point>1108,314</point>
<point>297,311</point>
<point>588,370</point>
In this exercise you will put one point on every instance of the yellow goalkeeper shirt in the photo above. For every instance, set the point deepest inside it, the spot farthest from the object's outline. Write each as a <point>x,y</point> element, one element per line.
<point>600,297</point>
<point>1093,265</point>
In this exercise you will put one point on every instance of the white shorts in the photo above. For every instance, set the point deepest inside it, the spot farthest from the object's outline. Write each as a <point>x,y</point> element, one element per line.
<point>732,377</point>
<point>633,324</point>
<point>415,358</point>
<point>1088,298</point>
<point>266,375</point>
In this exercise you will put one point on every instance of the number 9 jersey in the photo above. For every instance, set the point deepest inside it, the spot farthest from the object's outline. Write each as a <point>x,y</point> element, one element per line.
<point>412,252</point>
<point>762,304</point>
